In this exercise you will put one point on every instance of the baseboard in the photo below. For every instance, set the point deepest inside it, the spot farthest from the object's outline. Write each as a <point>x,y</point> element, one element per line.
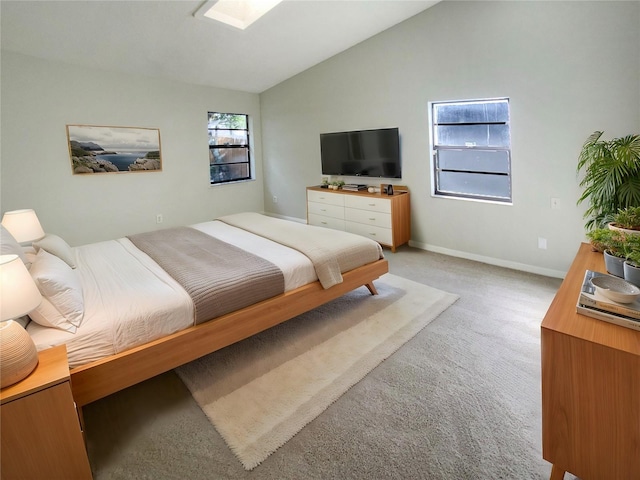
<point>547,272</point>
<point>523,267</point>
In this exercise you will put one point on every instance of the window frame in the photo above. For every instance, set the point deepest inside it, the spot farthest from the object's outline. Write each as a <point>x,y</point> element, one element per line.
<point>246,146</point>
<point>436,191</point>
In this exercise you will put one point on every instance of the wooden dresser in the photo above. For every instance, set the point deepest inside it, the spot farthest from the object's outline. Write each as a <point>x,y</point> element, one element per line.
<point>590,387</point>
<point>383,218</point>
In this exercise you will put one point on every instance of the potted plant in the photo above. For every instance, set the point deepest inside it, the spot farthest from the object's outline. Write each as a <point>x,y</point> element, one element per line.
<point>631,267</point>
<point>614,245</point>
<point>627,220</point>
<point>611,176</point>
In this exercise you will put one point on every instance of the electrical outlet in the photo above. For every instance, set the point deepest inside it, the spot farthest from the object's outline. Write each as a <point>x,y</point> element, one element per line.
<point>542,243</point>
<point>275,199</point>
<point>555,203</point>
<point>159,218</point>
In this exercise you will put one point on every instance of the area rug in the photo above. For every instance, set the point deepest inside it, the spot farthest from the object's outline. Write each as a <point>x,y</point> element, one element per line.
<point>260,392</point>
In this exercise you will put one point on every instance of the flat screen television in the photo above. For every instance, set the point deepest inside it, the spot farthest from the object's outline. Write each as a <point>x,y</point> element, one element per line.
<point>362,153</point>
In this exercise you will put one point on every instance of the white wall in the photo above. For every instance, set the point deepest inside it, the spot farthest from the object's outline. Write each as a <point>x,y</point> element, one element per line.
<point>569,68</point>
<point>39,98</point>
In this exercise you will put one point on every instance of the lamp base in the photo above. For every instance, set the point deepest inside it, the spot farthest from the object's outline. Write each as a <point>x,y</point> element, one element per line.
<point>18,354</point>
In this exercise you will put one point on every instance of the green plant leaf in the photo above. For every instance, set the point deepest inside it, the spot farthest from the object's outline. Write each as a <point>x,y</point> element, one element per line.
<point>611,178</point>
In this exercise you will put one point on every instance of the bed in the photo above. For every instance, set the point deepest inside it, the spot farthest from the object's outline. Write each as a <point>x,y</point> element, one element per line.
<point>134,320</point>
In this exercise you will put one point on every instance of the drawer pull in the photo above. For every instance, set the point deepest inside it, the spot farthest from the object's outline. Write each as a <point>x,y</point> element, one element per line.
<point>372,234</point>
<point>372,204</point>
<point>324,223</point>
<point>372,219</point>
<point>323,209</point>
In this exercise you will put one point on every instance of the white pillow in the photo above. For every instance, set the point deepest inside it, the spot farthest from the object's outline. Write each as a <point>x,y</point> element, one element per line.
<point>48,316</point>
<point>29,255</point>
<point>9,245</point>
<point>63,304</point>
<point>58,247</point>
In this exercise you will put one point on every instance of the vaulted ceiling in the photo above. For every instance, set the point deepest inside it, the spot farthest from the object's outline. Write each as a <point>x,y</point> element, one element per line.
<point>164,38</point>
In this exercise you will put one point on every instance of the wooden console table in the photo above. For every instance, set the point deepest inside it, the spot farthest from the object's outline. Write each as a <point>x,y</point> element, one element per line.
<point>590,387</point>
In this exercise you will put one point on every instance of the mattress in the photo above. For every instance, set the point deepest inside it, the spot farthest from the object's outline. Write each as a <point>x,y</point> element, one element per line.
<point>129,300</point>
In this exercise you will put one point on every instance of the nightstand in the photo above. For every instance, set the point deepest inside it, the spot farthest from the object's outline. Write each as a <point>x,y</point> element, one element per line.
<point>40,429</point>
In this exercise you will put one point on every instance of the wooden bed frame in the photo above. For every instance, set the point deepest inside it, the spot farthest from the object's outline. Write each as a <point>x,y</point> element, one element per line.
<point>103,377</point>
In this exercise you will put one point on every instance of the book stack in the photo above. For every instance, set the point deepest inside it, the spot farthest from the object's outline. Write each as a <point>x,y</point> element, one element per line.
<point>354,187</point>
<point>593,304</point>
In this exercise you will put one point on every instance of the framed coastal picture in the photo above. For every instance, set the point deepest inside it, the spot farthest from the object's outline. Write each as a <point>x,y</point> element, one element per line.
<point>97,149</point>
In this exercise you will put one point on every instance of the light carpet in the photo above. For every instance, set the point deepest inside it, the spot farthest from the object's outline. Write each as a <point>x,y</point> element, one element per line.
<point>260,392</point>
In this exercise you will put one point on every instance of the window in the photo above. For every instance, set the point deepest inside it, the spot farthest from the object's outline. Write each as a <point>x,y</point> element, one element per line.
<point>471,143</point>
<point>229,157</point>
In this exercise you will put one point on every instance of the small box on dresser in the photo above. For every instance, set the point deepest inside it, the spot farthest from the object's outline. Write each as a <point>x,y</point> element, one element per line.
<point>383,218</point>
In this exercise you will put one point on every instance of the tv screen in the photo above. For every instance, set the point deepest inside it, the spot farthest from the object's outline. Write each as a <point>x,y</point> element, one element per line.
<point>362,153</point>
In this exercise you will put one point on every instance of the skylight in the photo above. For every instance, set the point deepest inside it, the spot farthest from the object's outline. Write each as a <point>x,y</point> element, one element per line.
<point>237,13</point>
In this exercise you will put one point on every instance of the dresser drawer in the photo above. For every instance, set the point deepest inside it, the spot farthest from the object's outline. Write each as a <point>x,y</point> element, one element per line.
<point>329,222</point>
<point>363,202</point>
<point>328,198</point>
<point>335,211</point>
<point>383,218</point>
<point>368,217</point>
<point>380,235</point>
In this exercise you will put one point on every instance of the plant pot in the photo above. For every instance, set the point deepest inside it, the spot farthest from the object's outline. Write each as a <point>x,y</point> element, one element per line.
<point>628,231</point>
<point>613,264</point>
<point>632,273</point>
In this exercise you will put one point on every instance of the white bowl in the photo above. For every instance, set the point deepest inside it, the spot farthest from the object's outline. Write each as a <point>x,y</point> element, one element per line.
<point>616,289</point>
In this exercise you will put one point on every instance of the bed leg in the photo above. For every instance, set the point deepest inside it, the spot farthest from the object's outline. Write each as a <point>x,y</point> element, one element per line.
<point>372,288</point>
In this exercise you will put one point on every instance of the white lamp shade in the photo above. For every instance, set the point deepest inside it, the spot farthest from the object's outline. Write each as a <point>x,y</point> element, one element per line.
<point>18,293</point>
<point>23,225</point>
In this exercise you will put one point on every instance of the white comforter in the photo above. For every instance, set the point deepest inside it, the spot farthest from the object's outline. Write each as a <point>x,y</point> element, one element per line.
<point>129,300</point>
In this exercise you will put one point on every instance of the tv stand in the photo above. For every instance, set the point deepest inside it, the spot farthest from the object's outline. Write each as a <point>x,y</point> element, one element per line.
<point>383,218</point>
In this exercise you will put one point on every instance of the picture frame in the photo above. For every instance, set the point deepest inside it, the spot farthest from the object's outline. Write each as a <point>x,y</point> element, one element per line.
<point>95,149</point>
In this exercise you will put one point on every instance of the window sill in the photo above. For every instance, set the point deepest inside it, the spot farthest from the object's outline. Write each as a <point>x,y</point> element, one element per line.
<point>233,182</point>
<point>480,200</point>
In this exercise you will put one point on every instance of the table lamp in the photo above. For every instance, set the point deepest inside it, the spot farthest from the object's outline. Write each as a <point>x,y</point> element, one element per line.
<point>23,225</point>
<point>19,295</point>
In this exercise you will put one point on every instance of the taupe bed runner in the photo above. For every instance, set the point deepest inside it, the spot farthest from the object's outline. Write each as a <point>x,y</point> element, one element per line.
<point>331,251</point>
<point>219,277</point>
